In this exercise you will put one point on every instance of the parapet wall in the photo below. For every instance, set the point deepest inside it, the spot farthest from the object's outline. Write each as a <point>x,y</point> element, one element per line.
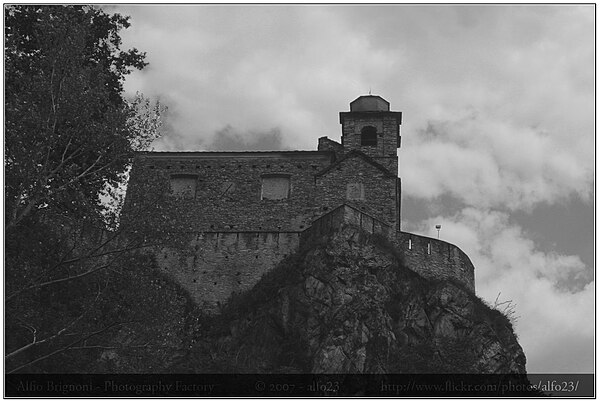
<point>215,265</point>
<point>344,214</point>
<point>436,259</point>
<point>431,258</point>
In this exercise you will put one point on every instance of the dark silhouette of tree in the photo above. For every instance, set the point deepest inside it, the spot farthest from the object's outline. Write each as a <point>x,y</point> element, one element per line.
<point>70,278</point>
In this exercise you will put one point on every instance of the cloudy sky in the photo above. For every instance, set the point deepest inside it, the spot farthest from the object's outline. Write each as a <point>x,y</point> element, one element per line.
<point>497,134</point>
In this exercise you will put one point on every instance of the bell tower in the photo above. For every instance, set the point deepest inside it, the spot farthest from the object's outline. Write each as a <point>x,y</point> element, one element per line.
<point>370,127</point>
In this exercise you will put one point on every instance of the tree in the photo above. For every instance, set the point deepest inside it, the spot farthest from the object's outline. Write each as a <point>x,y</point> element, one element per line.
<point>69,131</point>
<point>69,135</point>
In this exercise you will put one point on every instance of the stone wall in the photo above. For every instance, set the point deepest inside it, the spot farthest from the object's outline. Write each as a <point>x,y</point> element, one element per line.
<point>361,184</point>
<point>326,144</point>
<point>216,264</point>
<point>436,259</point>
<point>228,190</point>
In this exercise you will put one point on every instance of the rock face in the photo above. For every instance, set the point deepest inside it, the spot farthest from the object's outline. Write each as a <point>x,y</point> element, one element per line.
<point>348,305</point>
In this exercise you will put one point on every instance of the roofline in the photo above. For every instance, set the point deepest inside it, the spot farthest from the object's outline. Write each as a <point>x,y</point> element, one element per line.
<point>370,114</point>
<point>234,154</point>
<point>371,96</point>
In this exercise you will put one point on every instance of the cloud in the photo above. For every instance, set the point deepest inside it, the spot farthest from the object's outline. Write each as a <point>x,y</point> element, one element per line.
<point>553,293</point>
<point>489,163</point>
<point>228,139</point>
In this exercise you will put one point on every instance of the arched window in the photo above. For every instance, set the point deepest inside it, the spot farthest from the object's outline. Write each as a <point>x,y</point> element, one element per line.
<point>368,136</point>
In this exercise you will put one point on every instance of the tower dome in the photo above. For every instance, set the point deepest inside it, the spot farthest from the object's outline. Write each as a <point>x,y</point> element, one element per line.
<point>369,103</point>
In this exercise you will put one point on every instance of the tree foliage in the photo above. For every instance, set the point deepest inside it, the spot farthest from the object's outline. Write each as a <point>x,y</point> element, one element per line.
<point>69,131</point>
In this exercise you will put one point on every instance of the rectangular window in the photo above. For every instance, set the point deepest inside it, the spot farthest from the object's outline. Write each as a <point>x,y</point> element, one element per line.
<point>275,187</point>
<point>355,191</point>
<point>184,186</point>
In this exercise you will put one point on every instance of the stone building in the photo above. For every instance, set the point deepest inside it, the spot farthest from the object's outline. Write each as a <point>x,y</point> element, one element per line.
<point>240,213</point>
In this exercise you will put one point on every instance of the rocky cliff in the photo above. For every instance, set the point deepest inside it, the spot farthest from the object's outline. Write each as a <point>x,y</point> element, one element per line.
<point>347,304</point>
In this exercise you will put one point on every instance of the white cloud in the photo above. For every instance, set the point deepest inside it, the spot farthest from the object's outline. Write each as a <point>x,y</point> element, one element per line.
<point>553,302</point>
<point>490,163</point>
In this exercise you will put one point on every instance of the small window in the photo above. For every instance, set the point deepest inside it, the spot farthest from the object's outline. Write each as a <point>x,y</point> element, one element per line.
<point>275,187</point>
<point>184,186</point>
<point>368,136</point>
<point>429,248</point>
<point>355,191</point>
<point>409,243</point>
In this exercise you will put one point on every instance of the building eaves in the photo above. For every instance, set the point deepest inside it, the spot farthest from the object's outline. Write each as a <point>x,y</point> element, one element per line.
<point>235,154</point>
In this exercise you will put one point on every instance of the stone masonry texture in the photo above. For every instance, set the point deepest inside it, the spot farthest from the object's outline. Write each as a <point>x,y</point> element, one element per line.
<point>218,264</point>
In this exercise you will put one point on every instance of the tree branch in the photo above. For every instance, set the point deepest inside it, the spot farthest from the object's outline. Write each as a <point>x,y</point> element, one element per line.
<point>112,347</point>
<point>132,246</point>
<point>60,280</point>
<point>46,340</point>
<point>69,346</point>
